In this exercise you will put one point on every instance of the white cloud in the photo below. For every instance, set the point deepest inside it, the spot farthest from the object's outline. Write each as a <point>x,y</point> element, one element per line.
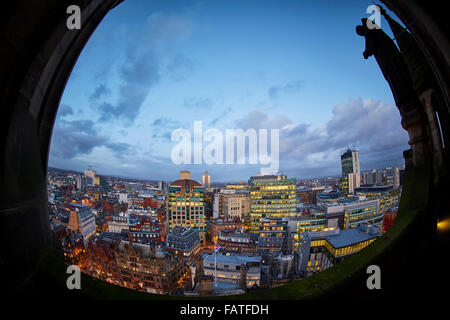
<point>370,126</point>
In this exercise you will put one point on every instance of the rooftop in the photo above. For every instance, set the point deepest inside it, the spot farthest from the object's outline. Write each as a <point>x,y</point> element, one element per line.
<point>351,236</point>
<point>232,259</point>
<point>186,183</point>
<point>371,188</point>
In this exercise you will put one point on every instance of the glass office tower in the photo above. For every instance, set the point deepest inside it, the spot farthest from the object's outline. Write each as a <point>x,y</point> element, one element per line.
<point>271,197</point>
<point>351,177</point>
<point>186,206</point>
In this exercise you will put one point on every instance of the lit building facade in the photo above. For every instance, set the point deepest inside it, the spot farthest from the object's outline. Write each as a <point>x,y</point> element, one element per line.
<point>184,243</point>
<point>351,212</point>
<point>331,246</point>
<point>309,195</point>
<point>329,197</point>
<point>74,249</point>
<point>117,223</point>
<point>185,205</point>
<point>227,269</point>
<point>388,195</point>
<point>314,222</point>
<point>237,187</point>
<point>351,174</point>
<point>234,204</point>
<point>271,197</point>
<point>238,241</point>
<point>82,220</point>
<point>145,230</point>
<point>215,226</point>
<point>206,180</point>
<point>142,268</point>
<point>273,236</point>
<point>393,177</point>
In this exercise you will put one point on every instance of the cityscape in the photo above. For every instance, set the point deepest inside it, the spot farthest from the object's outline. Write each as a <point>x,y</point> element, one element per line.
<point>197,237</point>
<point>177,168</point>
<point>225,158</point>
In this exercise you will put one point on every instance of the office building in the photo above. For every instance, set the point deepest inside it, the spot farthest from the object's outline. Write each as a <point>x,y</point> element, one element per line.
<point>374,178</point>
<point>137,266</point>
<point>393,177</point>
<point>117,223</point>
<point>329,197</point>
<point>309,195</point>
<point>215,226</point>
<point>273,236</point>
<point>389,196</point>
<point>74,249</point>
<point>185,205</point>
<point>233,204</point>
<point>238,187</point>
<point>206,180</point>
<point>350,162</point>
<point>183,242</point>
<point>271,197</point>
<point>82,220</point>
<point>227,269</point>
<point>315,221</point>
<point>351,175</point>
<point>351,212</point>
<point>238,241</point>
<point>185,175</point>
<point>329,247</point>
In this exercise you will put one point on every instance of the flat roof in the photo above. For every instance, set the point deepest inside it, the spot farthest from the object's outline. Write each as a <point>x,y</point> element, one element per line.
<point>232,259</point>
<point>349,237</point>
<point>368,188</point>
<point>77,205</point>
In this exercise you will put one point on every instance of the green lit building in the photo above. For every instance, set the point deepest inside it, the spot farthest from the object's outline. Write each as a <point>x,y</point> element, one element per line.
<point>351,174</point>
<point>271,197</point>
<point>316,221</point>
<point>186,206</point>
<point>345,214</point>
<point>326,248</point>
<point>388,195</point>
<point>350,162</point>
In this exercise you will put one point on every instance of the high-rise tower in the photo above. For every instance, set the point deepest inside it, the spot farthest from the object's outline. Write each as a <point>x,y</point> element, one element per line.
<point>351,174</point>
<point>271,197</point>
<point>185,205</point>
<point>206,180</point>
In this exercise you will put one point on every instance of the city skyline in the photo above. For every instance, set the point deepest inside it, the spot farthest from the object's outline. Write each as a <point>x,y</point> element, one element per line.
<point>199,177</point>
<point>120,106</point>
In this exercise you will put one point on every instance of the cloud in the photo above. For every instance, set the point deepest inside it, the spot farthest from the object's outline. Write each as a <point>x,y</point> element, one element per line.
<point>165,123</point>
<point>64,110</point>
<point>139,74</point>
<point>222,116</point>
<point>121,149</point>
<point>79,137</point>
<point>150,56</point>
<point>100,91</point>
<point>370,126</point>
<point>180,67</point>
<point>198,103</point>
<point>162,128</point>
<point>275,92</point>
<point>257,119</point>
<point>165,29</point>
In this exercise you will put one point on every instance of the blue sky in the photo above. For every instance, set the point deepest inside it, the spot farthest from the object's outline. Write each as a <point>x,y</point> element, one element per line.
<point>155,66</point>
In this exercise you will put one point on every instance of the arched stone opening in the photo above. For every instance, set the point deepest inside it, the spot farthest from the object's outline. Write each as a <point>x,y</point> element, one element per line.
<point>37,58</point>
